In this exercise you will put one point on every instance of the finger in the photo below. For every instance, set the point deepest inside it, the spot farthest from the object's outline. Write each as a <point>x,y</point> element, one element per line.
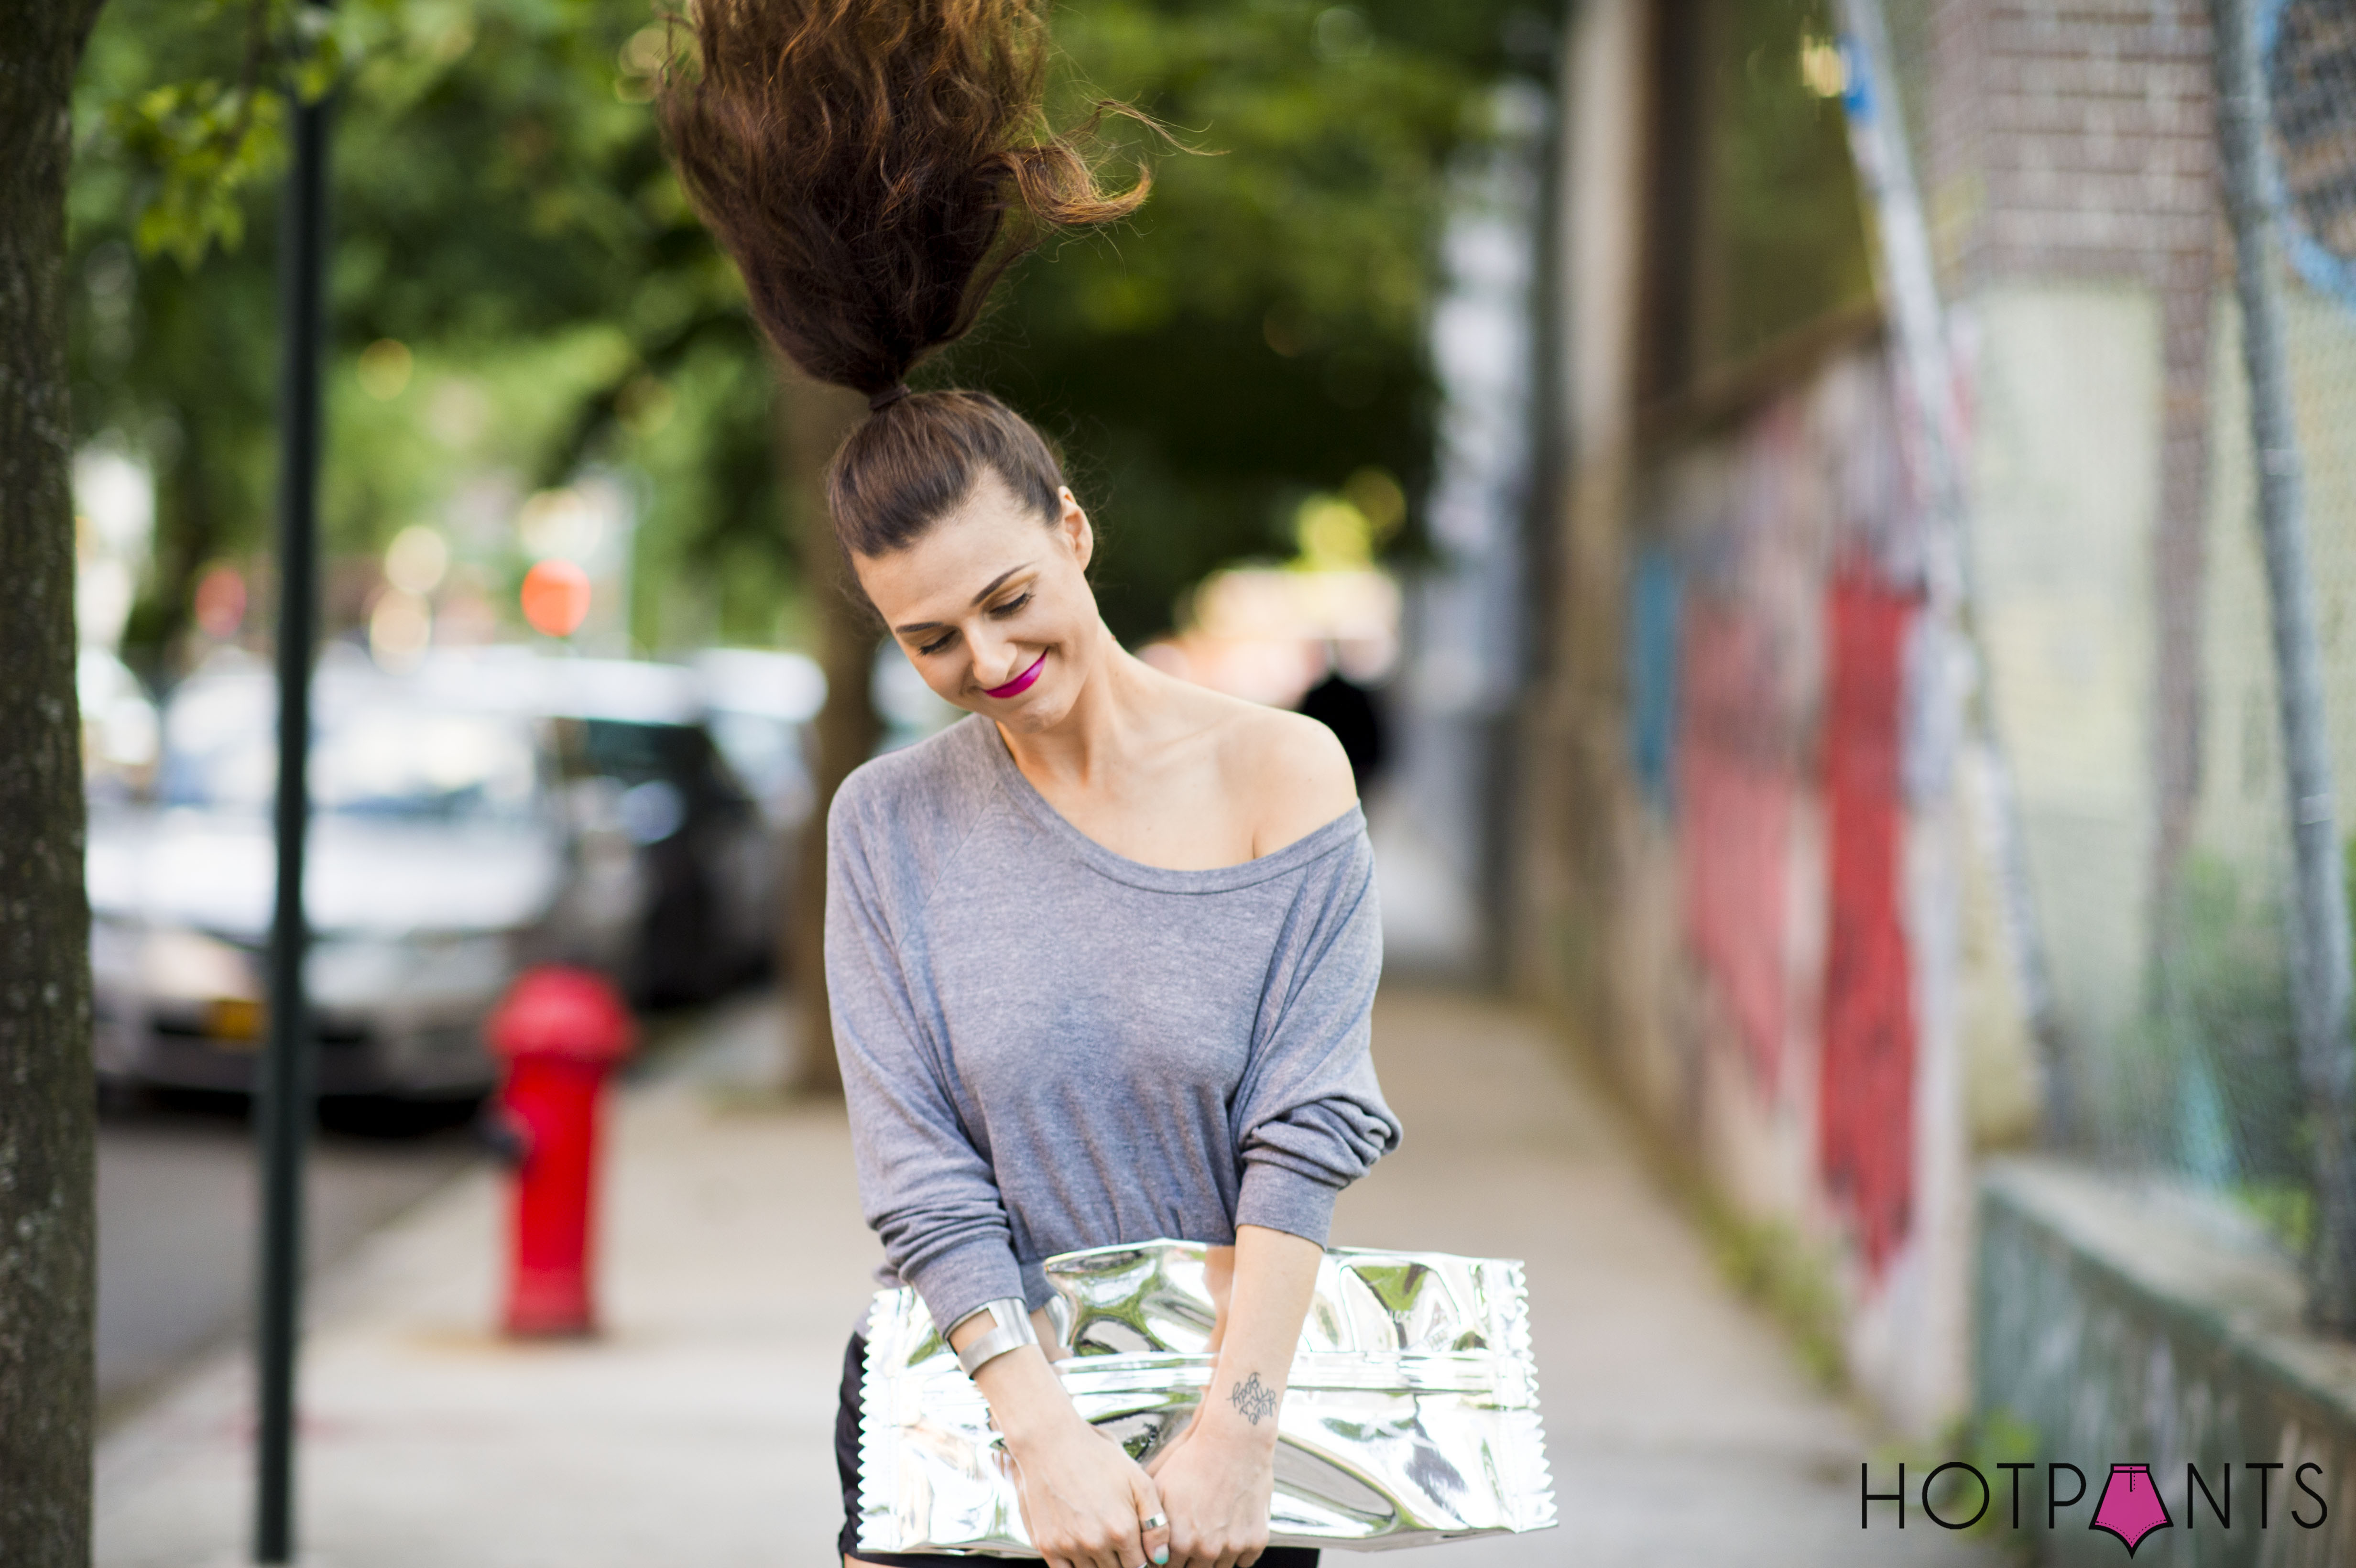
<point>1153,1531</point>
<point>1119,1548</point>
<point>1152,1521</point>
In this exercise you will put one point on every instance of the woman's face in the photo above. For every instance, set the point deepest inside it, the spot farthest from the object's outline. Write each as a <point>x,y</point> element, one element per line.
<point>992,606</point>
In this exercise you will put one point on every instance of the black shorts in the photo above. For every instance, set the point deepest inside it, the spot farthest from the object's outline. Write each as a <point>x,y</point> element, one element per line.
<point>846,1462</point>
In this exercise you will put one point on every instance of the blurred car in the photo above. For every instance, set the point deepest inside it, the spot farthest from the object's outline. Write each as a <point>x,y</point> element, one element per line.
<point>760,705</point>
<point>637,748</point>
<point>909,708</point>
<point>439,863</point>
<point>118,730</point>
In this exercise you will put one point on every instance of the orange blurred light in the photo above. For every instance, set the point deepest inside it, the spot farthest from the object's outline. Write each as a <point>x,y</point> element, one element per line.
<point>555,597</point>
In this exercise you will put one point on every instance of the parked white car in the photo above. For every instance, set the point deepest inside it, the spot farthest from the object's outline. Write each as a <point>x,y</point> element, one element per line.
<point>440,862</point>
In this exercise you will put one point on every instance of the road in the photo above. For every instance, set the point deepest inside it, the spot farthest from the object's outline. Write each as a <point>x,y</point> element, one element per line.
<point>176,1221</point>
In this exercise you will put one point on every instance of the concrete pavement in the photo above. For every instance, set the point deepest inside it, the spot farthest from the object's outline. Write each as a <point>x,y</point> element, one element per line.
<point>1681,1429</point>
<point>699,1430</point>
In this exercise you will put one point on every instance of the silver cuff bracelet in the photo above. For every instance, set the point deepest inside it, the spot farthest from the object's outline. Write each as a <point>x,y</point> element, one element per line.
<point>1012,1331</point>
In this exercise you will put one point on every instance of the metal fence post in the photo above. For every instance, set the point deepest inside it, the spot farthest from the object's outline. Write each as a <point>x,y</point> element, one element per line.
<point>2320,934</point>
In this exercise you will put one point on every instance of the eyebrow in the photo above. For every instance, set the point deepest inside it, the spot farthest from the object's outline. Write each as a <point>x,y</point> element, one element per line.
<point>913,627</point>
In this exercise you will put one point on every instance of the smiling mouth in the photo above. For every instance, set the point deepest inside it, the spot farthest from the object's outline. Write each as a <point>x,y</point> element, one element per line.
<point>1020,683</point>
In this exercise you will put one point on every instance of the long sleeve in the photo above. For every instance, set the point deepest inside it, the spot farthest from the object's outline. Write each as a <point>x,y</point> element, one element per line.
<point>926,1189</point>
<point>1310,1117</point>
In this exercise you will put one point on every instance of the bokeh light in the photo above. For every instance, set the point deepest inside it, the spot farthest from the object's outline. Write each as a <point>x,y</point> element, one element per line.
<point>385,368</point>
<point>400,628</point>
<point>416,560</point>
<point>555,597</point>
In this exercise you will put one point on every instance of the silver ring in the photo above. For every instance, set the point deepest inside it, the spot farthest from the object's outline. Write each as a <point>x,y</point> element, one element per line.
<point>1154,1521</point>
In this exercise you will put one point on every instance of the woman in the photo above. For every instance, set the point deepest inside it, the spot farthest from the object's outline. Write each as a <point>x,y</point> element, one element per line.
<point>1100,956</point>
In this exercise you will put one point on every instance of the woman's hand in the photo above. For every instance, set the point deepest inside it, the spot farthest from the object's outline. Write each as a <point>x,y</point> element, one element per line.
<point>1084,1500</point>
<point>1216,1481</point>
<point>1217,1478</point>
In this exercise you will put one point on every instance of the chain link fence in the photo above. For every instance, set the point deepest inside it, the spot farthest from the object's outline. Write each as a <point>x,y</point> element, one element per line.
<point>2186,866</point>
<point>2200,986</point>
<point>2246,1089</point>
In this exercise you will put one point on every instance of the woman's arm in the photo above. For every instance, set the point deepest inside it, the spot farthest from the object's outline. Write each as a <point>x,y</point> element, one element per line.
<point>1083,1498</point>
<point>934,1199</point>
<point>1217,1478</point>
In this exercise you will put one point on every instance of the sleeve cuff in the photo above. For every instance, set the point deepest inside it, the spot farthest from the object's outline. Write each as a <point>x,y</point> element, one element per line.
<point>964,1277</point>
<point>1282,1199</point>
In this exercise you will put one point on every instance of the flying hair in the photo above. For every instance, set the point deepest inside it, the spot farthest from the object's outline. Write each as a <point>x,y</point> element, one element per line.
<point>873,167</point>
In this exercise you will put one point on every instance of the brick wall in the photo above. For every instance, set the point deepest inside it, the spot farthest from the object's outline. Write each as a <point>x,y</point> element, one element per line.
<point>2077,140</point>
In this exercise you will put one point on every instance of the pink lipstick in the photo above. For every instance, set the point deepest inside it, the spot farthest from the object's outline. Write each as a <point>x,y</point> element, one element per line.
<point>1020,683</point>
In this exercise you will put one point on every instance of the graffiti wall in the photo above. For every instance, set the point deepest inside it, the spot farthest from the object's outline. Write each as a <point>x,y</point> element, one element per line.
<point>1775,645</point>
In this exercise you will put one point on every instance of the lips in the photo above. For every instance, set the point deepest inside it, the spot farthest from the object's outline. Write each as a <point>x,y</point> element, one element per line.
<point>1020,683</point>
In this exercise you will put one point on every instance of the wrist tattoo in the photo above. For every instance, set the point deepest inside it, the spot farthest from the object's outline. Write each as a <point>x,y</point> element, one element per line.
<point>1253,1400</point>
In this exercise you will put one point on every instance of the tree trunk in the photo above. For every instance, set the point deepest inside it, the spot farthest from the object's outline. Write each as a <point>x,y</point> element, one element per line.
<point>815,419</point>
<point>187,539</point>
<point>47,1098</point>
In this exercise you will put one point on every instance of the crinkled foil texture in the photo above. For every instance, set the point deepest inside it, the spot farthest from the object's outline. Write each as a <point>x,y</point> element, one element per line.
<point>1412,1415</point>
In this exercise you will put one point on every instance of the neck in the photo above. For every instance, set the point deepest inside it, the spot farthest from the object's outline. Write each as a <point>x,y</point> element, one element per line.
<point>1104,728</point>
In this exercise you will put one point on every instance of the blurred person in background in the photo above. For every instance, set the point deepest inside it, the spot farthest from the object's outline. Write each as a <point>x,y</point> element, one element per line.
<point>1102,955</point>
<point>1349,710</point>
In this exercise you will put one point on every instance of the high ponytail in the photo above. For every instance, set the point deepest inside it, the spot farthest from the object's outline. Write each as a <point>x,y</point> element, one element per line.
<point>874,167</point>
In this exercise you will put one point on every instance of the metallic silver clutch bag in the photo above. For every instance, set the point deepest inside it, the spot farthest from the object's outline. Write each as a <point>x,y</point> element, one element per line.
<point>1412,1415</point>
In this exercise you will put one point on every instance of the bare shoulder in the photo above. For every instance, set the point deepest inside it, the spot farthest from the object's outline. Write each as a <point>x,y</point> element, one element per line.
<point>1292,772</point>
<point>1283,775</point>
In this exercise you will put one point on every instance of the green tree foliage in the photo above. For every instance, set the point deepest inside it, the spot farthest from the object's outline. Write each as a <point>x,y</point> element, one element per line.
<point>503,219</point>
<point>1258,333</point>
<point>502,212</point>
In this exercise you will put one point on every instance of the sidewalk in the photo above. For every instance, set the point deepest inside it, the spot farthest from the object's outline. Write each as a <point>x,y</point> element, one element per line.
<point>698,1432</point>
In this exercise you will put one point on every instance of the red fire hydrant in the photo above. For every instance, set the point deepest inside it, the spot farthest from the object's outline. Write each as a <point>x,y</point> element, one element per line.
<point>562,1031</point>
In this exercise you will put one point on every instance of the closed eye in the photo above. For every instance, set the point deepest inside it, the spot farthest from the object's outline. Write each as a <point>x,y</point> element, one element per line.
<point>997,611</point>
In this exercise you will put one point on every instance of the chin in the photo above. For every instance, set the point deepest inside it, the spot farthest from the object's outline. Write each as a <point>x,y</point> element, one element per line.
<point>1036,715</point>
<point>1043,707</point>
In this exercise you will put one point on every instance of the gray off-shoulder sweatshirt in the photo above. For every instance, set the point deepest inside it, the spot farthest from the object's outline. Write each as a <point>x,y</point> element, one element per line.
<point>1047,1046</point>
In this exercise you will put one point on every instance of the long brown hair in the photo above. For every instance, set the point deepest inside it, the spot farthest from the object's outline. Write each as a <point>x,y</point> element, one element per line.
<point>874,167</point>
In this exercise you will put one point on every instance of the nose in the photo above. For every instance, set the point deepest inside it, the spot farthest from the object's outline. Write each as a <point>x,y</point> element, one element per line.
<point>996,661</point>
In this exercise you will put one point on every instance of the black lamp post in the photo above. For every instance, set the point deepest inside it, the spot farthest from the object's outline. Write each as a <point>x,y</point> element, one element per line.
<point>283,1089</point>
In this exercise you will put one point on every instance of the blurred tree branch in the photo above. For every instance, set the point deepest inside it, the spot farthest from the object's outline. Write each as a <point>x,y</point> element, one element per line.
<point>205,143</point>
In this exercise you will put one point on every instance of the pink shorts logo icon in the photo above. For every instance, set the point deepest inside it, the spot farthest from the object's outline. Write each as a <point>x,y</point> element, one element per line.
<point>2131,1508</point>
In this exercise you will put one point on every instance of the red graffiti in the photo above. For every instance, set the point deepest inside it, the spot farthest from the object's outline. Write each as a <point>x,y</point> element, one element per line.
<point>1735,788</point>
<point>1866,1091</point>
